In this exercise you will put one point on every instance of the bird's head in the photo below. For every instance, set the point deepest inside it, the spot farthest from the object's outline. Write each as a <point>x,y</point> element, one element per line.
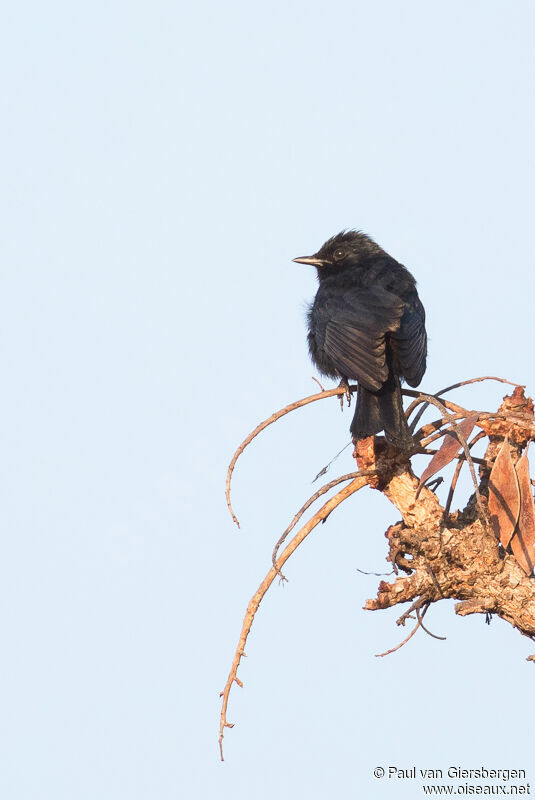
<point>346,249</point>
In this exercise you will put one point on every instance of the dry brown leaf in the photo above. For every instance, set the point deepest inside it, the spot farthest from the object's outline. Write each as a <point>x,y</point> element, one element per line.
<point>449,449</point>
<point>504,496</point>
<point>523,542</point>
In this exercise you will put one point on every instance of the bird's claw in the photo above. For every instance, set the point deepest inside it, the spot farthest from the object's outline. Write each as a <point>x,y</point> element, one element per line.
<point>344,384</point>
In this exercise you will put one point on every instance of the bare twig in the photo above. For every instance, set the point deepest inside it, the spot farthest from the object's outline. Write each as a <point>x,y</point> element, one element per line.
<point>377,574</point>
<point>449,389</point>
<point>322,388</point>
<point>462,439</point>
<point>255,601</point>
<point>269,421</point>
<point>411,634</point>
<point>433,483</point>
<point>325,469</point>
<point>327,487</point>
<point>453,484</point>
<point>462,459</point>
<point>340,391</point>
<point>425,441</point>
<point>457,557</point>
<point>432,430</point>
<point>420,617</point>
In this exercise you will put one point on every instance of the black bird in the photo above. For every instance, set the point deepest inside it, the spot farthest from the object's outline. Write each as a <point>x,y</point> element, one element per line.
<point>367,324</point>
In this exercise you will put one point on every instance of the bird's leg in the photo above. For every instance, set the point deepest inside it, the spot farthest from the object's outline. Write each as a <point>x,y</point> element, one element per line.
<point>344,384</point>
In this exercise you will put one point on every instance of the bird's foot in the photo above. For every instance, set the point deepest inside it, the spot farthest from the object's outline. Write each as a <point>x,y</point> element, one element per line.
<point>344,384</point>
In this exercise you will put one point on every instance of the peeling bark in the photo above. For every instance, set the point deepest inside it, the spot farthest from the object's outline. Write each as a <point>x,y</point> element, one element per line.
<point>454,555</point>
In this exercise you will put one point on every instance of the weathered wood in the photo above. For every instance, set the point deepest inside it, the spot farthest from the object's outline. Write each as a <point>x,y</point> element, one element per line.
<point>458,555</point>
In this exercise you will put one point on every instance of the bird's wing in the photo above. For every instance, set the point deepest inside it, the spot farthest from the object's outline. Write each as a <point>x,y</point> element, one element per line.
<point>355,336</point>
<point>409,343</point>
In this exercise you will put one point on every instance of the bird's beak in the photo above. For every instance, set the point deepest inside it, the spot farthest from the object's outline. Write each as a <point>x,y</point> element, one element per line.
<point>312,260</point>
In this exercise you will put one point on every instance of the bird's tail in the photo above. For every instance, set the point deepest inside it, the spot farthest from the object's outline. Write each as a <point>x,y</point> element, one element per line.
<point>382,411</point>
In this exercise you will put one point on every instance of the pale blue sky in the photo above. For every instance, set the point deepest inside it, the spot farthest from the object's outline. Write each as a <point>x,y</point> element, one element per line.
<point>163,163</point>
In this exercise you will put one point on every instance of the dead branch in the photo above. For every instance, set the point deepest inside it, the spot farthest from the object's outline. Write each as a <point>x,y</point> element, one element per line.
<point>457,557</point>
<point>340,390</point>
<point>400,645</point>
<point>436,553</point>
<point>458,468</point>
<point>462,439</point>
<point>449,389</point>
<point>324,489</point>
<point>252,608</point>
<point>423,627</point>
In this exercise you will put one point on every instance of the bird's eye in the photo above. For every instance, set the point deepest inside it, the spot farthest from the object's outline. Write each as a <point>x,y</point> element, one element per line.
<point>339,254</point>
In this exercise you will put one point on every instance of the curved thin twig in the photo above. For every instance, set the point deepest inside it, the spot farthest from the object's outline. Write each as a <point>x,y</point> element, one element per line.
<point>377,574</point>
<point>453,485</point>
<point>420,617</point>
<point>460,457</point>
<point>411,634</point>
<point>458,468</point>
<point>439,431</point>
<point>273,418</point>
<point>478,380</point>
<point>457,411</point>
<point>428,432</point>
<point>462,439</point>
<point>340,390</point>
<point>420,400</point>
<point>449,389</point>
<point>325,488</point>
<point>256,599</point>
